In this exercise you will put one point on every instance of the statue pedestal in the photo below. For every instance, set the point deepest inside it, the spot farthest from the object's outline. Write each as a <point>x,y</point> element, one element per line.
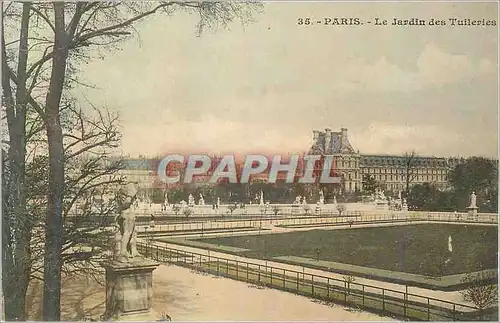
<point>472,210</point>
<point>129,290</point>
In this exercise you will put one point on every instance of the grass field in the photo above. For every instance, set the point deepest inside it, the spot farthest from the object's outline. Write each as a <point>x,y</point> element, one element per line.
<point>417,249</point>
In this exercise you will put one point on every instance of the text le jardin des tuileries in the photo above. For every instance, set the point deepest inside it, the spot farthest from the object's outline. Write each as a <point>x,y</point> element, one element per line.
<point>381,22</point>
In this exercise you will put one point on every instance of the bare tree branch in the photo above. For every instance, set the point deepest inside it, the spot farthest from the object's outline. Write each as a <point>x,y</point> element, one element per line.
<point>44,17</point>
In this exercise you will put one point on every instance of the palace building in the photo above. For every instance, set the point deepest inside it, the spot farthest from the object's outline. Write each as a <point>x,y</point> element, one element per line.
<point>390,171</point>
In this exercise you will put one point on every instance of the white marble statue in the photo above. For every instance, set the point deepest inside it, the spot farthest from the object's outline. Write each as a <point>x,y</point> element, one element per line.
<point>218,202</point>
<point>334,199</point>
<point>321,197</point>
<point>318,208</point>
<point>473,201</point>
<point>304,200</point>
<point>261,202</point>
<point>404,205</point>
<point>118,241</point>
<point>201,201</point>
<point>297,200</point>
<point>165,204</point>
<point>450,247</point>
<point>381,195</point>
<point>126,222</point>
<point>190,200</point>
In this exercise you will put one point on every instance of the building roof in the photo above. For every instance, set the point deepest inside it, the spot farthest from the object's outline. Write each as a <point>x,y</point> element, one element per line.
<point>328,142</point>
<point>392,160</point>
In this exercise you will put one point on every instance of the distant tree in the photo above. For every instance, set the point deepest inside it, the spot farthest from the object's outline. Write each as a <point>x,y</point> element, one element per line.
<point>232,207</point>
<point>175,195</point>
<point>423,197</point>
<point>479,175</point>
<point>480,289</point>
<point>370,184</point>
<point>258,186</point>
<point>207,191</point>
<point>352,197</point>
<point>281,192</point>
<point>348,280</point>
<point>187,212</point>
<point>298,189</point>
<point>341,208</point>
<point>156,195</point>
<point>237,192</point>
<point>409,169</point>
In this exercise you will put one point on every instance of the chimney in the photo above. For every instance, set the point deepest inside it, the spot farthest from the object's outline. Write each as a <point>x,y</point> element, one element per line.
<point>344,132</point>
<point>328,141</point>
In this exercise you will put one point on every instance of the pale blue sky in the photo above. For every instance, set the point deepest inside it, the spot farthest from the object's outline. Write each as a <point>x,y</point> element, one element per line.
<point>265,88</point>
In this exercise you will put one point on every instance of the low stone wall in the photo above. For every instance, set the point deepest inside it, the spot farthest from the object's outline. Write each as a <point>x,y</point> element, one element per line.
<point>290,209</point>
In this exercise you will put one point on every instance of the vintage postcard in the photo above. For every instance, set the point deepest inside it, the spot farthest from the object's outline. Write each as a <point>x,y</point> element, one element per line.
<point>250,161</point>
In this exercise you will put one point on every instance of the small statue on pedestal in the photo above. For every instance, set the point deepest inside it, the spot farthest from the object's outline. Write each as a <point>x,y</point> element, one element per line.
<point>473,201</point>
<point>472,208</point>
<point>165,204</point>
<point>190,200</point>
<point>126,237</point>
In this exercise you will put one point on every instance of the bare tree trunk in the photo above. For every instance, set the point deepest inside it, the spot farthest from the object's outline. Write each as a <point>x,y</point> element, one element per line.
<point>407,181</point>
<point>409,164</point>
<point>16,223</point>
<point>53,233</point>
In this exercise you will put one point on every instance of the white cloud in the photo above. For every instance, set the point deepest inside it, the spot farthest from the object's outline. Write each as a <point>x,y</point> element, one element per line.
<point>212,135</point>
<point>434,68</point>
<point>398,139</point>
<point>268,87</point>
